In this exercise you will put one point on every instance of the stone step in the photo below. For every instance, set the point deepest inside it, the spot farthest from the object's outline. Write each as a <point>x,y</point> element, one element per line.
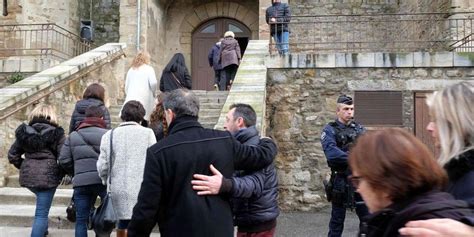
<point>23,196</point>
<point>13,181</point>
<point>23,215</point>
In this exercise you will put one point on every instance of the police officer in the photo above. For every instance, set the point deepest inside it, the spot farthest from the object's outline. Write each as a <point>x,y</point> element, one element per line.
<point>336,139</point>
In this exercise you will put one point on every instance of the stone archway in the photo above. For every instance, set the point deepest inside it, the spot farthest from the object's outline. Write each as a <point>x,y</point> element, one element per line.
<point>203,13</point>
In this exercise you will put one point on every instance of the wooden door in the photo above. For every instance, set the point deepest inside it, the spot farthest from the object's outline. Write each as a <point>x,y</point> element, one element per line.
<point>422,118</point>
<point>204,37</point>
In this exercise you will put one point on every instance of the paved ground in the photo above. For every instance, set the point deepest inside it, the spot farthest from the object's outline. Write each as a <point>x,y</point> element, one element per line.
<point>296,224</point>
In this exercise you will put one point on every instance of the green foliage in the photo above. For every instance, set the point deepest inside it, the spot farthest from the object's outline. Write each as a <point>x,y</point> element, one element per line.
<point>15,77</point>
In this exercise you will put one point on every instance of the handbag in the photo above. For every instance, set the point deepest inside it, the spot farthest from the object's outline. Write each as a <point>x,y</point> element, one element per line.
<point>178,83</point>
<point>71,211</point>
<point>104,217</point>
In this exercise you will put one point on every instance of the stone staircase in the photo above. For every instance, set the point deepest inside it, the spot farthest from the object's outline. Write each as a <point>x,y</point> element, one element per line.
<point>17,205</point>
<point>211,103</point>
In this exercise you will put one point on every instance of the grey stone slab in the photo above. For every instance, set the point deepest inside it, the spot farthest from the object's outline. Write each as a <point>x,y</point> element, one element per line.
<point>325,60</point>
<point>429,85</point>
<point>376,85</point>
<point>11,65</point>
<point>360,60</point>
<point>341,60</point>
<point>438,59</point>
<point>463,59</point>
<point>393,59</point>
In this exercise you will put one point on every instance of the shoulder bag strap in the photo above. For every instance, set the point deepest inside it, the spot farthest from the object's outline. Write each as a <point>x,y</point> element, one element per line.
<point>111,158</point>
<point>177,81</point>
<point>83,139</point>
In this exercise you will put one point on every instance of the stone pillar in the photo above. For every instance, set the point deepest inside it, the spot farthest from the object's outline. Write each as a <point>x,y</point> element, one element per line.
<point>263,29</point>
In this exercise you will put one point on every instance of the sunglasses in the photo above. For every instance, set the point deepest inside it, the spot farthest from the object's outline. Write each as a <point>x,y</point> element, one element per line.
<point>355,181</point>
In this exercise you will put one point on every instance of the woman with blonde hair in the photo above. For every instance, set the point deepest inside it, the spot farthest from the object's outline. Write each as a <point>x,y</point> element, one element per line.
<point>140,84</point>
<point>452,127</point>
<point>40,142</point>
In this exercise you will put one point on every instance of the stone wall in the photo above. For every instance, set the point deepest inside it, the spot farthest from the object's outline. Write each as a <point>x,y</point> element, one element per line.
<point>106,17</point>
<point>71,77</point>
<point>301,100</point>
<point>378,30</point>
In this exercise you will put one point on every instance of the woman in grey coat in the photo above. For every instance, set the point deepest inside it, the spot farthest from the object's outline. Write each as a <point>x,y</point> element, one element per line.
<point>129,143</point>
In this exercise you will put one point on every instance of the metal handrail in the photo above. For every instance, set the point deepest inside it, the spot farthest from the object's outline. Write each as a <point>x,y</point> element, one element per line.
<point>43,40</point>
<point>393,32</point>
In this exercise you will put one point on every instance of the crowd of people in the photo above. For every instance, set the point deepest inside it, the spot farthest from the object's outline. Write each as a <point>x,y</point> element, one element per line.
<point>159,173</point>
<point>160,166</point>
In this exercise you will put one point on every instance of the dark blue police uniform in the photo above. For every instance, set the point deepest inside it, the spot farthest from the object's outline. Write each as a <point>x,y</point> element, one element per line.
<point>336,139</point>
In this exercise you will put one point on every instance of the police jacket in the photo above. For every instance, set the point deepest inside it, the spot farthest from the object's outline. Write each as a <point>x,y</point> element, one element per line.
<point>461,176</point>
<point>282,15</point>
<point>40,141</point>
<point>80,152</point>
<point>434,204</point>
<point>166,195</point>
<point>336,140</point>
<point>255,194</point>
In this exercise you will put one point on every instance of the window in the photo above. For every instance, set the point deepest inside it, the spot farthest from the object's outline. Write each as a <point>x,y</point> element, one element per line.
<point>379,108</point>
<point>209,29</point>
<point>235,28</point>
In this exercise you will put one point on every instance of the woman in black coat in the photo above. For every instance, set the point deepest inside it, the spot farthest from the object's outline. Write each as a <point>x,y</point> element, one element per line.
<point>40,142</point>
<point>401,184</point>
<point>93,95</point>
<point>175,75</point>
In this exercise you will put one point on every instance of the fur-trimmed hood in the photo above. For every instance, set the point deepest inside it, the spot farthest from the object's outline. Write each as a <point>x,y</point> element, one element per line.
<point>38,135</point>
<point>458,167</point>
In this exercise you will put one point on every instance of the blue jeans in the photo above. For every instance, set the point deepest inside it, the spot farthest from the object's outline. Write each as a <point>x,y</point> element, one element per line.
<point>84,198</point>
<point>44,198</point>
<point>282,40</point>
<point>338,215</point>
<point>123,224</point>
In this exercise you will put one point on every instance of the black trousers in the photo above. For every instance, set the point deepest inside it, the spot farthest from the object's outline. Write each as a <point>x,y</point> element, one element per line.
<point>230,72</point>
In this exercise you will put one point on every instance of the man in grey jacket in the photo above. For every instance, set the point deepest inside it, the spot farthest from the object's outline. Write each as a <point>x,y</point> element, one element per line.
<point>78,158</point>
<point>255,193</point>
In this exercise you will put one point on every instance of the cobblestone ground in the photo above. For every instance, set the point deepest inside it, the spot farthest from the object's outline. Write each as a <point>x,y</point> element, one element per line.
<point>294,224</point>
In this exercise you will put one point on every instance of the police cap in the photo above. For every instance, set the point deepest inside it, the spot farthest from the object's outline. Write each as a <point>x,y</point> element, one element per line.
<point>344,99</point>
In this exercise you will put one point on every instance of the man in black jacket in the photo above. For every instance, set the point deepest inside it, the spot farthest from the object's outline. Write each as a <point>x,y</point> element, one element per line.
<point>166,195</point>
<point>255,193</point>
<point>278,16</point>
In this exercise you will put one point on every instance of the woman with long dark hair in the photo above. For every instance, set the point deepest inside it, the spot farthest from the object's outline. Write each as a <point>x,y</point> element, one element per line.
<point>175,75</point>
<point>94,95</point>
<point>158,121</point>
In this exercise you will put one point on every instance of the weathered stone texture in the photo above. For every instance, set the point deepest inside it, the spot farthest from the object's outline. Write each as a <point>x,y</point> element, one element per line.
<point>106,17</point>
<point>301,101</point>
<point>335,25</point>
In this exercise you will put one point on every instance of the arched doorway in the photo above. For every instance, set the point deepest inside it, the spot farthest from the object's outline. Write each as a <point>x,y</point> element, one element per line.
<point>204,37</point>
